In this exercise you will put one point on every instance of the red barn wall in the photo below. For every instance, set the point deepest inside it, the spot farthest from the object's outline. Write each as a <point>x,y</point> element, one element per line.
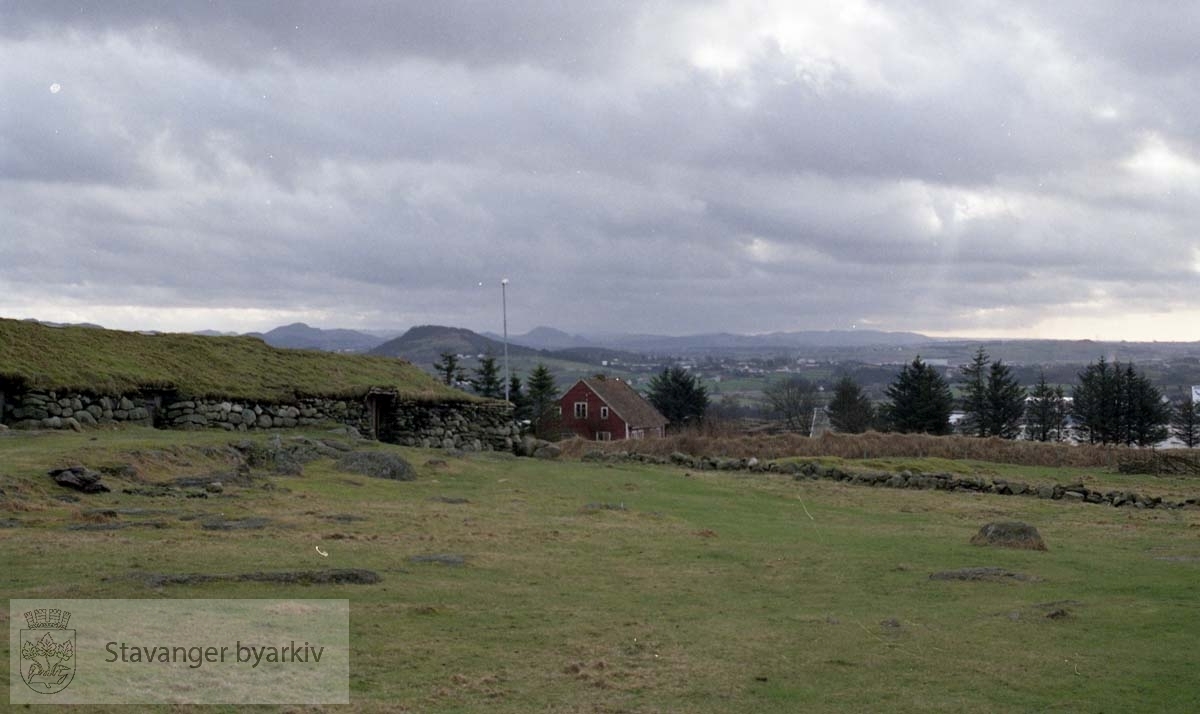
<point>588,427</point>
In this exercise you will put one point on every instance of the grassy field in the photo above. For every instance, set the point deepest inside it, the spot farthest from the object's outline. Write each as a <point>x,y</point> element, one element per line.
<point>630,588</point>
<point>113,362</point>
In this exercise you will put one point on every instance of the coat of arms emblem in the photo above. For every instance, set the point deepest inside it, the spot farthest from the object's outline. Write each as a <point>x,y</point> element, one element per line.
<point>47,651</point>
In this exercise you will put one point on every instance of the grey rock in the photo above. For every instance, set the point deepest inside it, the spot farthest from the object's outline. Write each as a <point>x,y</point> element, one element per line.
<point>79,478</point>
<point>547,451</point>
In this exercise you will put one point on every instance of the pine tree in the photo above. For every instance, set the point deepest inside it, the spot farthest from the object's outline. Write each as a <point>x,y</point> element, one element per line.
<point>1005,402</point>
<point>1116,405</point>
<point>850,410</point>
<point>975,395</point>
<point>1147,416</point>
<point>543,401</point>
<point>678,396</point>
<point>516,395</point>
<point>1090,394</point>
<point>487,381</point>
<point>1045,412</point>
<point>1186,424</point>
<point>920,400</point>
<point>450,370</point>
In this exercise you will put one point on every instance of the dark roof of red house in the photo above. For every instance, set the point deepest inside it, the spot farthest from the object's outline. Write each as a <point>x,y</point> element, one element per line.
<point>626,402</point>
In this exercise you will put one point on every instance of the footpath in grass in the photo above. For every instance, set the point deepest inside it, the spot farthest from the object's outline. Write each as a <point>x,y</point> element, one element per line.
<point>517,585</point>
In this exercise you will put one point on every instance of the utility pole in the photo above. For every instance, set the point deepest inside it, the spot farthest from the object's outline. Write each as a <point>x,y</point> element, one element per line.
<point>504,307</point>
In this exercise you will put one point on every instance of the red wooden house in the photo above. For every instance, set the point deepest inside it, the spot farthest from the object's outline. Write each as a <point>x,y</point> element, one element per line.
<point>606,409</point>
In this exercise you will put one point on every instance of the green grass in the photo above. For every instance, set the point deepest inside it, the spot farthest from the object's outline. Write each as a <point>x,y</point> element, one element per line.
<point>713,592</point>
<point>114,362</point>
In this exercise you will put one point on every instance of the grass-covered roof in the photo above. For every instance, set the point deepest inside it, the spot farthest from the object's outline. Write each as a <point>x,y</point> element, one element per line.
<point>113,362</point>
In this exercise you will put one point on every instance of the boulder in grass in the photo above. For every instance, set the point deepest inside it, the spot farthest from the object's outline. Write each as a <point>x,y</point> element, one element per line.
<point>1010,534</point>
<point>79,478</point>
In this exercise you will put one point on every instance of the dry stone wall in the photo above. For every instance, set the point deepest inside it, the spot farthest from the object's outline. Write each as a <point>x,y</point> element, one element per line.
<point>465,426</point>
<point>55,410</point>
<point>242,416</point>
<point>469,426</point>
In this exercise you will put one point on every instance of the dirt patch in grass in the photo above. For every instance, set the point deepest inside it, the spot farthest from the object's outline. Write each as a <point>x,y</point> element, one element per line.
<point>440,559</point>
<point>343,517</point>
<point>235,524</point>
<point>596,507</point>
<point>115,526</point>
<point>985,574</point>
<point>449,499</point>
<point>337,576</point>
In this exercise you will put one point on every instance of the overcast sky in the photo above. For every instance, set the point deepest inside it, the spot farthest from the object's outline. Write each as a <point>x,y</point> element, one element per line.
<point>953,168</point>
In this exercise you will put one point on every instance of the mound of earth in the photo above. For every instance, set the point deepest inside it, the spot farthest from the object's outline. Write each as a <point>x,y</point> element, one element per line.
<point>377,464</point>
<point>1010,534</point>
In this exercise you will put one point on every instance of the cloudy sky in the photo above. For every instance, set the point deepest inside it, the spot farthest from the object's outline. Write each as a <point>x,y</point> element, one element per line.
<point>955,168</point>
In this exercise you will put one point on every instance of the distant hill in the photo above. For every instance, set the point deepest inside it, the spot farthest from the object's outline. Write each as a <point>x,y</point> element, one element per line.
<point>425,344</point>
<point>302,337</point>
<point>546,338</point>
<point>90,325</point>
<point>728,342</point>
<point>103,361</point>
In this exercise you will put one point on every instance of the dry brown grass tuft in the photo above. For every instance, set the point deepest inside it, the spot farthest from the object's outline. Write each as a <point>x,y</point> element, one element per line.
<point>871,445</point>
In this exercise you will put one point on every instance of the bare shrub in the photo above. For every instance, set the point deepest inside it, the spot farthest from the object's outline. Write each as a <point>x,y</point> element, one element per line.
<point>871,445</point>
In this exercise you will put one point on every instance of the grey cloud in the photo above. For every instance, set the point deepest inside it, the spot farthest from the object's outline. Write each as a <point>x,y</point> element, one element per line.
<point>250,32</point>
<point>387,158</point>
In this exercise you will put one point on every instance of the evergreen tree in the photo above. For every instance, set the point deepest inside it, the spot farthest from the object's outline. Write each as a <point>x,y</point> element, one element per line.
<point>1147,415</point>
<point>1005,402</point>
<point>850,410</point>
<point>1116,405</point>
<point>993,401</point>
<point>975,395</point>
<point>449,368</point>
<point>516,395</point>
<point>920,400</point>
<point>1186,424</point>
<point>487,381</point>
<point>543,401</point>
<point>1091,394</point>
<point>1045,413</point>
<point>678,396</point>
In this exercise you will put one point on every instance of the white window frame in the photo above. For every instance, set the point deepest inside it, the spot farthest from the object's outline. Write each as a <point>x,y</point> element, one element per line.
<point>604,436</point>
<point>603,412</point>
<point>581,410</point>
